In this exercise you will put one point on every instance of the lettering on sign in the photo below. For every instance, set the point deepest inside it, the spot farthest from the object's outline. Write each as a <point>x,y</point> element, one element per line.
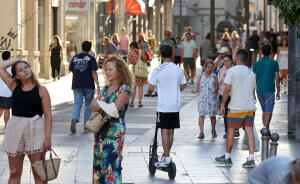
<point>77,5</point>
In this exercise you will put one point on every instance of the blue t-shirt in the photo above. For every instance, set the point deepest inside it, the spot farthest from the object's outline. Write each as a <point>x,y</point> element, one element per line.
<point>265,70</point>
<point>82,66</point>
<point>178,49</point>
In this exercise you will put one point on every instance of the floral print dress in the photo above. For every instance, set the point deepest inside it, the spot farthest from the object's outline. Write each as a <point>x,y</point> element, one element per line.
<point>109,143</point>
<point>207,102</point>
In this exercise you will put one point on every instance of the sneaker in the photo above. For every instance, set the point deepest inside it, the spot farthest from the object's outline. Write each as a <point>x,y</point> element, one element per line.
<point>157,164</point>
<point>249,164</point>
<point>223,160</point>
<point>164,162</point>
<point>73,126</point>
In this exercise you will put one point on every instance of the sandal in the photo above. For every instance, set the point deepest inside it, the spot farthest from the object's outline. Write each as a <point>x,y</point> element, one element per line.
<point>214,133</point>
<point>131,104</point>
<point>201,136</point>
<point>140,104</point>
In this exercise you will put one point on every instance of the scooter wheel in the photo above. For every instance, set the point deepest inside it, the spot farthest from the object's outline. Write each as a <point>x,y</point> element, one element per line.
<point>172,171</point>
<point>152,168</point>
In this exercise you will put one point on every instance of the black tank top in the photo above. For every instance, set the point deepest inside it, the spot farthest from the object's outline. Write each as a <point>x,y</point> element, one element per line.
<point>26,103</point>
<point>55,52</point>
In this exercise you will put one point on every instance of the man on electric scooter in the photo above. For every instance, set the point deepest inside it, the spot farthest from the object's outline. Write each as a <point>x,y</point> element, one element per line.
<point>170,80</point>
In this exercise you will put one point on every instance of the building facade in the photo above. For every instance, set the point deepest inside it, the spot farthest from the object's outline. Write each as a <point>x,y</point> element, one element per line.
<point>28,32</point>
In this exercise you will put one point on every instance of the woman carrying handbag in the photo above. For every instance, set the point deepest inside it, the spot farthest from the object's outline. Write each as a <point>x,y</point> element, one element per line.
<point>109,140</point>
<point>141,70</point>
<point>29,129</point>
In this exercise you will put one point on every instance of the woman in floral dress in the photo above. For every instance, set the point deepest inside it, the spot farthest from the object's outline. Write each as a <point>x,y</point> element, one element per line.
<point>207,85</point>
<point>109,140</point>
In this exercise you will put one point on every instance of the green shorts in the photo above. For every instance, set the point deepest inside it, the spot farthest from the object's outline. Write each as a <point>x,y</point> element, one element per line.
<point>189,63</point>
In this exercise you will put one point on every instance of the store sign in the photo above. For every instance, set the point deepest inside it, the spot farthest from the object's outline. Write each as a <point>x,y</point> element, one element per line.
<point>78,5</point>
<point>55,3</point>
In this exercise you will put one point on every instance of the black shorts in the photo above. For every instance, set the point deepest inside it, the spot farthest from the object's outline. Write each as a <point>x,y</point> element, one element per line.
<point>5,102</point>
<point>177,60</point>
<point>168,120</point>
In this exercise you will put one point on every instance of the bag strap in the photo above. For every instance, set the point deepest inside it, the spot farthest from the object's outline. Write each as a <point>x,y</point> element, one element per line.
<point>44,164</point>
<point>55,172</point>
<point>52,162</point>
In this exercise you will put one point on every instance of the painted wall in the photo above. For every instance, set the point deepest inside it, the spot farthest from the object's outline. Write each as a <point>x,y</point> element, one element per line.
<point>9,25</point>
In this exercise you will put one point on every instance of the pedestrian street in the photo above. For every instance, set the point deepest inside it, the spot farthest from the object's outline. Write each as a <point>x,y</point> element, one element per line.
<point>194,158</point>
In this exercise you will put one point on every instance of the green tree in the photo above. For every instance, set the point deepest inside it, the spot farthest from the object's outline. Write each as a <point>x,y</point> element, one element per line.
<point>289,11</point>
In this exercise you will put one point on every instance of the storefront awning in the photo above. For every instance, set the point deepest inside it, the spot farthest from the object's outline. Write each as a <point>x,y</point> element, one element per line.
<point>133,7</point>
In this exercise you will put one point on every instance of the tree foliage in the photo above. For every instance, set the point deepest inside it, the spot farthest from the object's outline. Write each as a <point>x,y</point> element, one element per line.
<point>289,11</point>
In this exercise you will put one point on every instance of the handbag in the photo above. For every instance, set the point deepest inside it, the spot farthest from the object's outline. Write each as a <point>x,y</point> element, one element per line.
<point>96,122</point>
<point>47,170</point>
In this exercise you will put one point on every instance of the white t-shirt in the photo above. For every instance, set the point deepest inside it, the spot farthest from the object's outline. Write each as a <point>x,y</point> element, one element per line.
<point>242,81</point>
<point>168,77</point>
<point>4,90</point>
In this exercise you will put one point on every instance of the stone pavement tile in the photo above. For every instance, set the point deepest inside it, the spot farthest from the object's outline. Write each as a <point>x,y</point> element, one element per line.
<point>210,179</point>
<point>163,178</point>
<point>238,178</point>
<point>85,154</point>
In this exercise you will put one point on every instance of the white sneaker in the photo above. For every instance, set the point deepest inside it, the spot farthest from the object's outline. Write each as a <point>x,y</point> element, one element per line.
<point>157,164</point>
<point>164,162</point>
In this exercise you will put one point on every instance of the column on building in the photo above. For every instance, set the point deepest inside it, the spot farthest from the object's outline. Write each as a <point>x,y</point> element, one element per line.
<point>169,4</point>
<point>64,69</point>
<point>47,27</point>
<point>32,35</point>
<point>157,21</point>
<point>21,51</point>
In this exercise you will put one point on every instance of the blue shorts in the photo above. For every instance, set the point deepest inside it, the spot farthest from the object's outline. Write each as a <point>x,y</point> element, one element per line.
<point>267,101</point>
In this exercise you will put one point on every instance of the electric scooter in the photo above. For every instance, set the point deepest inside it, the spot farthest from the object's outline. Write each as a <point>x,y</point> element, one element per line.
<point>153,158</point>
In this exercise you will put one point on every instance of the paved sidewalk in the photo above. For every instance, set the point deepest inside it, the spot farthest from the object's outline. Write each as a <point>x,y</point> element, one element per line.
<point>194,158</point>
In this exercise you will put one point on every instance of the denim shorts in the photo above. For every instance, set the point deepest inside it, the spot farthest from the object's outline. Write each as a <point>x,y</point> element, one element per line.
<point>267,101</point>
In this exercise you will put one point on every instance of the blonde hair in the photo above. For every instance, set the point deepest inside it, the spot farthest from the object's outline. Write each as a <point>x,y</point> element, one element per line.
<point>115,35</point>
<point>144,37</point>
<point>125,75</point>
<point>235,34</point>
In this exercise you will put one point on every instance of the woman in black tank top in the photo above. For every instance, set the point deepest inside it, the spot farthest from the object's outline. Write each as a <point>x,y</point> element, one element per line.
<point>30,102</point>
<point>56,57</point>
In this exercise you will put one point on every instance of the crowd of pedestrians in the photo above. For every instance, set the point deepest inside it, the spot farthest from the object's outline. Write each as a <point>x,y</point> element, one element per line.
<point>226,86</point>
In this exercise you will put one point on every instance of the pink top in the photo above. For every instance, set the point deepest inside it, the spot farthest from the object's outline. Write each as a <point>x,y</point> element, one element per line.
<point>124,42</point>
<point>221,76</point>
